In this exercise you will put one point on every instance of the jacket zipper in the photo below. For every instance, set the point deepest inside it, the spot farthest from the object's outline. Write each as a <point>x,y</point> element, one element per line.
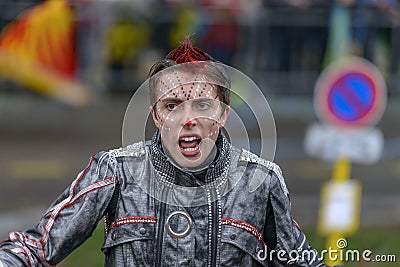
<point>160,236</point>
<point>214,231</point>
<point>214,239</point>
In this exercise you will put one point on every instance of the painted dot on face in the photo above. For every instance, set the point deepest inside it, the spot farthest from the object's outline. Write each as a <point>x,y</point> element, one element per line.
<point>176,74</point>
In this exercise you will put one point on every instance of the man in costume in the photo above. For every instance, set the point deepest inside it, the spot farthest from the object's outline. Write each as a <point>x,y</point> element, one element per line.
<point>187,197</point>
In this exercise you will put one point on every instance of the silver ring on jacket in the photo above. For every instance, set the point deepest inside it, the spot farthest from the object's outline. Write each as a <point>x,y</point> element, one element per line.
<point>181,234</point>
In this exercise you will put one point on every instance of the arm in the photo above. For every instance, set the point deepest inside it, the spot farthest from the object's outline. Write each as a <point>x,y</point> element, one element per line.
<point>282,234</point>
<point>69,221</point>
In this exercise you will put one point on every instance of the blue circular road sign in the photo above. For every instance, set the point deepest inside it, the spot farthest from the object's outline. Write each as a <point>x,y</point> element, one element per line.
<point>350,93</point>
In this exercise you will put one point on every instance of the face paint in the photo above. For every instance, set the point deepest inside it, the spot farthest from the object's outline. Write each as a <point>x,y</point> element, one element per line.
<point>189,116</point>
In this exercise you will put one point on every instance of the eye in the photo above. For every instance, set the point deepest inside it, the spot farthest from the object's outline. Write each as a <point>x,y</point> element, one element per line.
<point>203,105</point>
<point>171,106</point>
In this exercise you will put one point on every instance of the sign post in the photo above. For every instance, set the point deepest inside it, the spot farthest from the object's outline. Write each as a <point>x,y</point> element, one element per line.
<point>349,98</point>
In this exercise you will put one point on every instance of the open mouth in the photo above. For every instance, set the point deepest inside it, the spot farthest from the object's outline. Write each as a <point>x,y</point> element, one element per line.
<point>189,145</point>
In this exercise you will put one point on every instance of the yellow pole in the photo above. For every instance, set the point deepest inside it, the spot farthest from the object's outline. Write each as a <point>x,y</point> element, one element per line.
<point>334,251</point>
<point>342,170</point>
<point>341,173</point>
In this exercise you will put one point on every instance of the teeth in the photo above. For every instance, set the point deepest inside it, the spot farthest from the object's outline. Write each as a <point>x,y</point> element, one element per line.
<point>190,149</point>
<point>189,139</point>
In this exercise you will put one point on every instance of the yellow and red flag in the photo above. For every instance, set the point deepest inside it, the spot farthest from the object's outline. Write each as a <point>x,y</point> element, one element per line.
<point>38,50</point>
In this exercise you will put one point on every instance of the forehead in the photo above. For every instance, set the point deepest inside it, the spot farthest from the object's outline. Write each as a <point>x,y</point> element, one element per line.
<point>180,84</point>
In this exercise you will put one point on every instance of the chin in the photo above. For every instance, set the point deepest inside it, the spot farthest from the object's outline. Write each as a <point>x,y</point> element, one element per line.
<point>191,161</point>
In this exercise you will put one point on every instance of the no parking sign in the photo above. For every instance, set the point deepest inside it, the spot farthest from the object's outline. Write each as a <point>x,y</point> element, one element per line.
<point>349,98</point>
<point>350,93</point>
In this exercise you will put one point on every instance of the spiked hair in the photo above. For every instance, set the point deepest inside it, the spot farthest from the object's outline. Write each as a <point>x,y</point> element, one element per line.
<point>186,53</point>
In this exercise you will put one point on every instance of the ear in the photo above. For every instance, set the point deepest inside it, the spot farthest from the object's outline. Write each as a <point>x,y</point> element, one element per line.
<point>155,118</point>
<point>224,116</point>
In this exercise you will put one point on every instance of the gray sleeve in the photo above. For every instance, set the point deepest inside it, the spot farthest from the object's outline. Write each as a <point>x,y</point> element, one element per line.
<point>292,247</point>
<point>282,222</point>
<point>69,221</point>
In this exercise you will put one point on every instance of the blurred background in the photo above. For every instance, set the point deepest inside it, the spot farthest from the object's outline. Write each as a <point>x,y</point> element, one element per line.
<point>69,68</point>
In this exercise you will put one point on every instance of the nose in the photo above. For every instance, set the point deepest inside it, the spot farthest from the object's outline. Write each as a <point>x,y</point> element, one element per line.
<point>189,123</point>
<point>189,119</point>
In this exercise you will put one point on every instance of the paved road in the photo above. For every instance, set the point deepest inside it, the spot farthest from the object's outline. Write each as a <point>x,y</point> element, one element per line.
<point>43,146</point>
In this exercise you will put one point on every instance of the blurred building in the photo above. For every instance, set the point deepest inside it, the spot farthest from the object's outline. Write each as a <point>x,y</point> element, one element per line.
<point>280,44</point>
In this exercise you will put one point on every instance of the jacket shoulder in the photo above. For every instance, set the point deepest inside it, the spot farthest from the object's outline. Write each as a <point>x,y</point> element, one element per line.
<point>247,156</point>
<point>273,168</point>
<point>132,150</point>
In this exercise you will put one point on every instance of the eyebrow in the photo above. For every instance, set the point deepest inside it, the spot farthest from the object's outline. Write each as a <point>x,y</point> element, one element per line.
<point>174,99</point>
<point>170,99</point>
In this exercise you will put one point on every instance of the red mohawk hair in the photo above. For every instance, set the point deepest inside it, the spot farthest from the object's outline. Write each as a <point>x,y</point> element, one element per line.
<point>185,52</point>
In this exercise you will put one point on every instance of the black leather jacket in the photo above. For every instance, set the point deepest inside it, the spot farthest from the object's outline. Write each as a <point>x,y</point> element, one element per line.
<point>159,215</point>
